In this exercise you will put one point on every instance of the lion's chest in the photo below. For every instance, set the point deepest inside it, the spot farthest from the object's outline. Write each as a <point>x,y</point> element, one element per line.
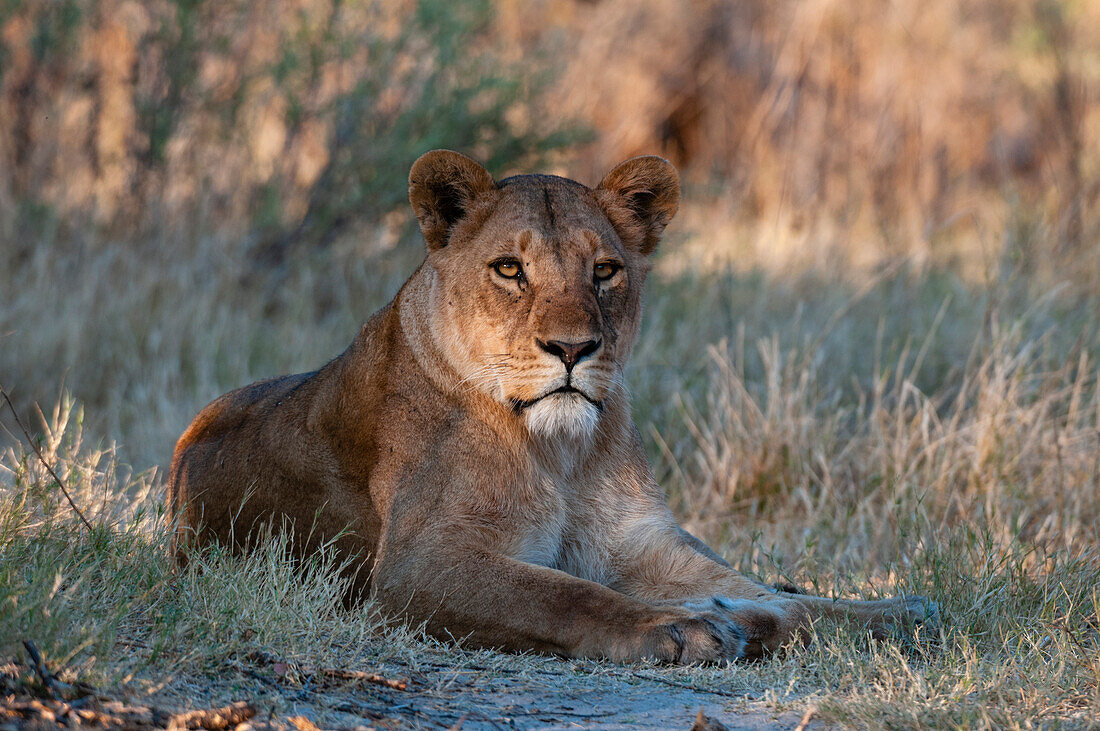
<point>540,545</point>
<point>537,533</point>
<point>559,531</point>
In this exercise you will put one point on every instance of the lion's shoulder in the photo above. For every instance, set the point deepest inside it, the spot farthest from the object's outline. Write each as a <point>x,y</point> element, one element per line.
<point>229,411</point>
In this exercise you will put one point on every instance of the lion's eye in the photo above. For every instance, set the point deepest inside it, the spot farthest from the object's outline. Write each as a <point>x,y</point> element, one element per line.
<point>507,268</point>
<point>606,270</point>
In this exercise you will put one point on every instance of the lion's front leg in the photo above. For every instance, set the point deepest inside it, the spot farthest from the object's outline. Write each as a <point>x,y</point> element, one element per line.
<point>660,563</point>
<point>880,617</point>
<point>491,600</point>
<point>663,564</point>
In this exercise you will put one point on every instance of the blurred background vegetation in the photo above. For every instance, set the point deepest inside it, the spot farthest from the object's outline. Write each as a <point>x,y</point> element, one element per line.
<point>197,193</point>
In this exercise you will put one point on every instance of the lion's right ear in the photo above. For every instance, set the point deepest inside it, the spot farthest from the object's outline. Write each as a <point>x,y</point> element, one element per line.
<point>442,187</point>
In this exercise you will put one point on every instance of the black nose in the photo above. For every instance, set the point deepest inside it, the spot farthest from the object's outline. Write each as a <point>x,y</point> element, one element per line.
<point>570,353</point>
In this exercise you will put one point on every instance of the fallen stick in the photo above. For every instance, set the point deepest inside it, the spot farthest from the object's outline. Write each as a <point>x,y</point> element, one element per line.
<point>214,719</point>
<point>49,681</point>
<point>686,686</point>
<point>374,678</point>
<point>806,717</point>
<point>334,673</point>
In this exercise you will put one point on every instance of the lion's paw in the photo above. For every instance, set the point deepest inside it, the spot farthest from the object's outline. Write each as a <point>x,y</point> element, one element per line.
<point>908,612</point>
<point>702,637</point>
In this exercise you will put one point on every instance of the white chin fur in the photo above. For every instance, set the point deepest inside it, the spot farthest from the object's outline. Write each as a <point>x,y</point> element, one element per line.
<point>562,415</point>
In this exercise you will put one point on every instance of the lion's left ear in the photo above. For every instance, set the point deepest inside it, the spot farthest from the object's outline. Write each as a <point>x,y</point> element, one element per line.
<point>641,196</point>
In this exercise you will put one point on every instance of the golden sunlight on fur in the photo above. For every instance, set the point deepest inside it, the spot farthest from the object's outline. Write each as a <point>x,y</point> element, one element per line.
<point>472,450</point>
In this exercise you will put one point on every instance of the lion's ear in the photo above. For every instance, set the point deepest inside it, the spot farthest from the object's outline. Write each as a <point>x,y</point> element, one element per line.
<point>648,188</point>
<point>442,187</point>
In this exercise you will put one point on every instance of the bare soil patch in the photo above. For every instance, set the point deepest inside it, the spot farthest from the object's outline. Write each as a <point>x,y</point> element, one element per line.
<point>262,691</point>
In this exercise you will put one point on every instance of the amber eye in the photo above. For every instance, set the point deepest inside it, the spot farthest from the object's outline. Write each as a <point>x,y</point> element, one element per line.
<point>507,268</point>
<point>606,270</point>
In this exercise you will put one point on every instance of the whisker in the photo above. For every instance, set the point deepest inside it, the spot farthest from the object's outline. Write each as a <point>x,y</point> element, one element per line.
<point>483,373</point>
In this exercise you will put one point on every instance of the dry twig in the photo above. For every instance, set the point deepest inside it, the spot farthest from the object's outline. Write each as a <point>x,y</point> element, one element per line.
<point>214,719</point>
<point>688,686</point>
<point>805,722</point>
<point>55,687</point>
<point>335,673</point>
<point>373,678</point>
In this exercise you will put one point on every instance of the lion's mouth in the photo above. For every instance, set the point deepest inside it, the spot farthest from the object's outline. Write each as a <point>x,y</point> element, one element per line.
<point>519,405</point>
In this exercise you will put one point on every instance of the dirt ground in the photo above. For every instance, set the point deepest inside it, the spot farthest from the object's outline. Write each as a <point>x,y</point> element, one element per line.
<point>541,694</point>
<point>451,691</point>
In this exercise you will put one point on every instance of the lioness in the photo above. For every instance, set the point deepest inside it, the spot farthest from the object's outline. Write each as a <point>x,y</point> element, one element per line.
<point>473,447</point>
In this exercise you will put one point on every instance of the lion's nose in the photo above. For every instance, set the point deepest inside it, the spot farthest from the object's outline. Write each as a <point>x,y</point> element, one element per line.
<point>569,353</point>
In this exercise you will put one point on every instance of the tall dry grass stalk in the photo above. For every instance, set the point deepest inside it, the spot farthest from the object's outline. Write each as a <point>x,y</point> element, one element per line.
<point>1011,447</point>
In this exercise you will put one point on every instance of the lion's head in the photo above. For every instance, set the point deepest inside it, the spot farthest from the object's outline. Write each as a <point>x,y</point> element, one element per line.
<point>536,280</point>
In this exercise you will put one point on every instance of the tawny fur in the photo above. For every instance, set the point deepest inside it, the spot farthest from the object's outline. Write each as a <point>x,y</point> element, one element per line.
<point>466,496</point>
